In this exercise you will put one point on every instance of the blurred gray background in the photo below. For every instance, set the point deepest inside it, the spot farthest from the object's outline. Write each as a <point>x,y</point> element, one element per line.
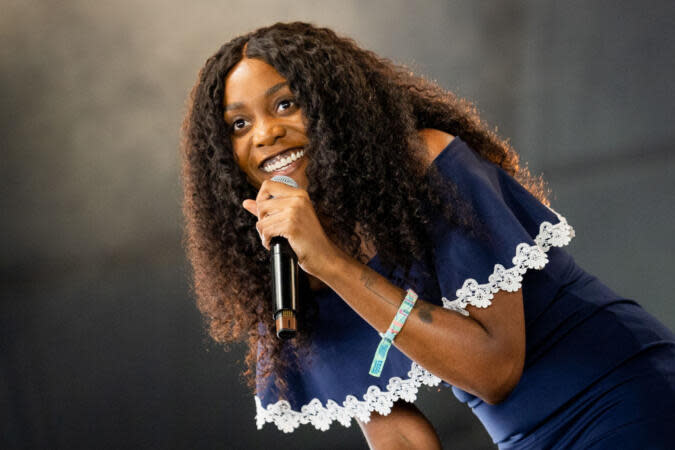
<point>101,344</point>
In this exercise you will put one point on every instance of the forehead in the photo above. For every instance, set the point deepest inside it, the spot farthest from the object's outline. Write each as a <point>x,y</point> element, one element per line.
<point>249,78</point>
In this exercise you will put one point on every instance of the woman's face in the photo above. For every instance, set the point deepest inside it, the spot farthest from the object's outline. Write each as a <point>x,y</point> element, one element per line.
<point>266,124</point>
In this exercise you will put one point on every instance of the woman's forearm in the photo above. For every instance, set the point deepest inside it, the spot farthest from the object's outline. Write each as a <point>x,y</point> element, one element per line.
<point>456,348</point>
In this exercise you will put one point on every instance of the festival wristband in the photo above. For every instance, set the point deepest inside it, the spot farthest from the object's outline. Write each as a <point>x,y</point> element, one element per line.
<point>394,328</point>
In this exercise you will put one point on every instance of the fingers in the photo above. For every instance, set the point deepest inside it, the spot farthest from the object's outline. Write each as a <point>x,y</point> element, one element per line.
<point>277,189</point>
<point>270,227</point>
<point>276,205</point>
<point>288,206</point>
<point>268,200</point>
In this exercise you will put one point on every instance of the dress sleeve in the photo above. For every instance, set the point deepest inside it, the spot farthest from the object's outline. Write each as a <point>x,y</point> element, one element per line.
<point>518,230</point>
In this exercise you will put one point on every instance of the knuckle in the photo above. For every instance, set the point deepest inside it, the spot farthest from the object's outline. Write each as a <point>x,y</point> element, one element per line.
<point>263,188</point>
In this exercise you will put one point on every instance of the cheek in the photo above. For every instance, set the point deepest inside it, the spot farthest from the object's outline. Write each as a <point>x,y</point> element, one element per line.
<point>241,159</point>
<point>301,122</point>
<point>239,156</point>
<point>242,165</point>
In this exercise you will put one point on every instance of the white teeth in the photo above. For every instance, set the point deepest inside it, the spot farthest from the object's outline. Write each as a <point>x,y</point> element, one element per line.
<point>286,160</point>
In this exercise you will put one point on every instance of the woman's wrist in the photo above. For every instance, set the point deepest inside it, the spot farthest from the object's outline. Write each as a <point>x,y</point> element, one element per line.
<point>336,264</point>
<point>339,267</point>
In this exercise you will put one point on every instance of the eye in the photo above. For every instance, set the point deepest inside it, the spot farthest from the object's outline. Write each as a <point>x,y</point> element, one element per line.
<point>285,104</point>
<point>238,125</point>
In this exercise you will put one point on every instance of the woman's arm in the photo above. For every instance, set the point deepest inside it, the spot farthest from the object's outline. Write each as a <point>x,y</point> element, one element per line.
<point>482,354</point>
<point>404,428</point>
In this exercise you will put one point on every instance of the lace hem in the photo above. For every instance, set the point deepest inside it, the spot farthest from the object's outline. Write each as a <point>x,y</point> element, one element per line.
<point>287,420</point>
<point>527,257</point>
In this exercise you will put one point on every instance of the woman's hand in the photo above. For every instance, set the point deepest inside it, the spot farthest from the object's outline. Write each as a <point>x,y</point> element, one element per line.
<point>290,214</point>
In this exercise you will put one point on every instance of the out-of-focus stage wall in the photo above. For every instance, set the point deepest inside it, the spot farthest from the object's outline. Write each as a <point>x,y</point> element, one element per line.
<point>101,345</point>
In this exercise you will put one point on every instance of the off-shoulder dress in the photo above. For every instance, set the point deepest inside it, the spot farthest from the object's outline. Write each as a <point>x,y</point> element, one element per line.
<point>599,369</point>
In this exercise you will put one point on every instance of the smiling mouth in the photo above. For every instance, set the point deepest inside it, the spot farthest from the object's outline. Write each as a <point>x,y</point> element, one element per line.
<point>283,160</point>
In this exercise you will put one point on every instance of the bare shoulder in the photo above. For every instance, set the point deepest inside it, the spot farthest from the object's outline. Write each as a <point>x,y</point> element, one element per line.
<point>436,141</point>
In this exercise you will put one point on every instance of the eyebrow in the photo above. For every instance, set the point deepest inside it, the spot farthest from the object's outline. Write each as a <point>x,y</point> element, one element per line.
<point>270,91</point>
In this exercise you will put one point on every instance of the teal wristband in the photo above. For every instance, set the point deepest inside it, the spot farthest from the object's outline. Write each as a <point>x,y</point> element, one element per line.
<point>388,337</point>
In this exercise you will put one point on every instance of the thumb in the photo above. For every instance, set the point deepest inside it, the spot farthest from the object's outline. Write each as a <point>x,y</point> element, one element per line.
<point>250,206</point>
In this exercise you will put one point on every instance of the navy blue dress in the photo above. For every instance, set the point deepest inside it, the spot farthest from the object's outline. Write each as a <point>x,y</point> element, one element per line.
<point>599,370</point>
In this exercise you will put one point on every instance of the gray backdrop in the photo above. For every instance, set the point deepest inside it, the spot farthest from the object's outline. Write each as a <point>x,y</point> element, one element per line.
<point>101,344</point>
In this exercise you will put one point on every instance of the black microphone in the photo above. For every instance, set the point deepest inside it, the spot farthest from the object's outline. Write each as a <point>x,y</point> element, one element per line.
<point>284,270</point>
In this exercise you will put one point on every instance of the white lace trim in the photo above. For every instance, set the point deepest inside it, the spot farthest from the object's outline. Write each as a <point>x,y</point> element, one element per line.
<point>471,293</point>
<point>527,257</point>
<point>287,420</point>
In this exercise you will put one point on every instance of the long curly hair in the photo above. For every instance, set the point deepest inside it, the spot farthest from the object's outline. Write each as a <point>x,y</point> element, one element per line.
<point>363,116</point>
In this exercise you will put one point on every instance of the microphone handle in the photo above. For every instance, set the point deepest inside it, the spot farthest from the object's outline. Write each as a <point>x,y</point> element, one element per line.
<point>284,271</point>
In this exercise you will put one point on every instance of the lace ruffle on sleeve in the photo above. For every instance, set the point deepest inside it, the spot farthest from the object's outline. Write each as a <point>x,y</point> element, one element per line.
<point>518,232</point>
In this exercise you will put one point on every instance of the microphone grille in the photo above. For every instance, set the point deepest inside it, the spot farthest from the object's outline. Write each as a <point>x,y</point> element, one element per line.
<point>286,180</point>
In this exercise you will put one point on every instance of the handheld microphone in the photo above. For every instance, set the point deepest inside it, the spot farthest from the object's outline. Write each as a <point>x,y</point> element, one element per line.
<point>284,270</point>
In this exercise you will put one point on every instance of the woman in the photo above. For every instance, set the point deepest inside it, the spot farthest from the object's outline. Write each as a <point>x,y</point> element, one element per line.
<point>402,192</point>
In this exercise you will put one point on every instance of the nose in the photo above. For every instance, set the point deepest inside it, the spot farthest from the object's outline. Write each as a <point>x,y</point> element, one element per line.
<point>267,134</point>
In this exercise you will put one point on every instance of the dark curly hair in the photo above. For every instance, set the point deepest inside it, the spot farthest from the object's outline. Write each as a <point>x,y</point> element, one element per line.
<point>363,116</point>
